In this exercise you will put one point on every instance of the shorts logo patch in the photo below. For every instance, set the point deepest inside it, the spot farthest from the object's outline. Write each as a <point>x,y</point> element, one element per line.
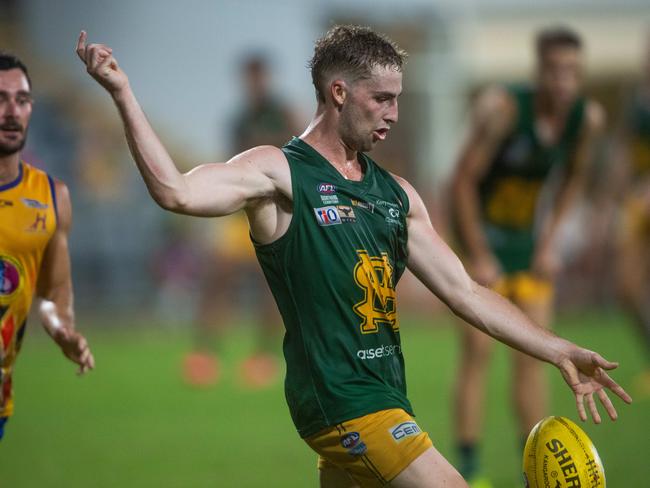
<point>327,216</point>
<point>352,442</point>
<point>406,429</point>
<point>346,213</point>
<point>326,188</point>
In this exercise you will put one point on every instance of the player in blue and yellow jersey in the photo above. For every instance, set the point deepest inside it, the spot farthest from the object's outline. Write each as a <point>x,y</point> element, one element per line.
<point>521,138</point>
<point>35,215</point>
<point>334,232</point>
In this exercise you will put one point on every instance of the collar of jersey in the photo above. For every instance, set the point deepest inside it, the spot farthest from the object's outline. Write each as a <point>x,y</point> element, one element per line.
<point>11,184</point>
<point>364,160</point>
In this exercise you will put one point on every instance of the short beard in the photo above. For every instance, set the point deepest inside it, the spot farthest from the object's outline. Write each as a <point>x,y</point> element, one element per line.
<point>10,149</point>
<point>351,138</point>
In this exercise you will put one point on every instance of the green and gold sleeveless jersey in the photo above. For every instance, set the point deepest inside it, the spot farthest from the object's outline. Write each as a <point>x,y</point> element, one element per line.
<point>509,191</point>
<point>333,275</point>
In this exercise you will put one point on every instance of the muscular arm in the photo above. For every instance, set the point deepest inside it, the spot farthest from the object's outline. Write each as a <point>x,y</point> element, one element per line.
<point>215,189</point>
<point>492,119</point>
<point>208,190</point>
<point>436,265</point>
<point>54,288</point>
<point>433,262</point>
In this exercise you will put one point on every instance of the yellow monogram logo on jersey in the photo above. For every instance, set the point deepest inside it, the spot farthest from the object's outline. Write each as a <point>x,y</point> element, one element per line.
<point>513,202</point>
<point>375,276</point>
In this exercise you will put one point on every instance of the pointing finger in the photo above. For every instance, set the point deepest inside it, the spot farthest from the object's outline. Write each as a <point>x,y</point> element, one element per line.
<point>81,45</point>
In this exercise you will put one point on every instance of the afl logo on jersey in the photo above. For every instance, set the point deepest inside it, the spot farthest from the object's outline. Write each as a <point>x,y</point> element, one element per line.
<point>10,278</point>
<point>326,188</point>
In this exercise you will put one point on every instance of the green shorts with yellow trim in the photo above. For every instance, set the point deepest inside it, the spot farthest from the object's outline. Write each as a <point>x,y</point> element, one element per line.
<point>523,287</point>
<point>372,449</point>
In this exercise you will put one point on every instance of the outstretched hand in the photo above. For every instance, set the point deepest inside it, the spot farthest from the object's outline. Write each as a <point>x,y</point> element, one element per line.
<point>584,372</point>
<point>76,349</point>
<point>101,64</point>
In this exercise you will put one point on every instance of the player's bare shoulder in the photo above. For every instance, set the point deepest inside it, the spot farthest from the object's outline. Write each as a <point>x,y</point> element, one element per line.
<point>63,205</point>
<point>416,205</point>
<point>269,161</point>
<point>495,111</point>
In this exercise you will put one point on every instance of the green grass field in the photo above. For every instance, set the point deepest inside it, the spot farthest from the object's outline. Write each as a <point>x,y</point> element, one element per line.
<point>133,423</point>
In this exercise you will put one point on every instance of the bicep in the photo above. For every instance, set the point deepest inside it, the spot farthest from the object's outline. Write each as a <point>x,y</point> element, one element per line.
<point>218,189</point>
<point>430,259</point>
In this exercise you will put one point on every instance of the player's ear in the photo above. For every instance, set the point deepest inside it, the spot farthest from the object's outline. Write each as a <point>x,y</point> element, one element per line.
<point>339,92</point>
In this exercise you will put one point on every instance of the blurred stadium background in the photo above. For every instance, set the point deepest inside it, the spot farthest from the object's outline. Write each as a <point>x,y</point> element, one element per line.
<point>133,422</point>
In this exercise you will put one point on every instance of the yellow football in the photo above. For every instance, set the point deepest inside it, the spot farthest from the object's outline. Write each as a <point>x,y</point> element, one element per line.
<point>558,454</point>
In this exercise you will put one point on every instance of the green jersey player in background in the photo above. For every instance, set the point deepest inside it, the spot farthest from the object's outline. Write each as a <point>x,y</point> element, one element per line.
<point>521,138</point>
<point>333,233</point>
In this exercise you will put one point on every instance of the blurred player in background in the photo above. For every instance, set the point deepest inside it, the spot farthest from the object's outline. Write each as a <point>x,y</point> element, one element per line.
<point>35,218</point>
<point>233,285</point>
<point>333,232</point>
<point>626,186</point>
<point>521,138</point>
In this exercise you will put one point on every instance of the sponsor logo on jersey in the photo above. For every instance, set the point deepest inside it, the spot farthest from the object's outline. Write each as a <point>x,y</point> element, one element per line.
<point>330,199</point>
<point>393,212</point>
<point>404,430</point>
<point>383,351</point>
<point>393,216</point>
<point>346,213</point>
<point>10,278</point>
<point>39,224</point>
<point>31,203</point>
<point>6,203</point>
<point>352,442</point>
<point>369,207</point>
<point>384,203</point>
<point>327,215</point>
<point>326,188</point>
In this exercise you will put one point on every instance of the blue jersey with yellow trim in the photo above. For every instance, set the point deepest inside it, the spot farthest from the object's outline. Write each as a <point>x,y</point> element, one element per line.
<point>27,222</point>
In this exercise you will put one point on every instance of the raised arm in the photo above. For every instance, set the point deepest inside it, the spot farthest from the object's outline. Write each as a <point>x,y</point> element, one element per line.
<point>492,118</point>
<point>208,190</point>
<point>54,289</point>
<point>435,264</point>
